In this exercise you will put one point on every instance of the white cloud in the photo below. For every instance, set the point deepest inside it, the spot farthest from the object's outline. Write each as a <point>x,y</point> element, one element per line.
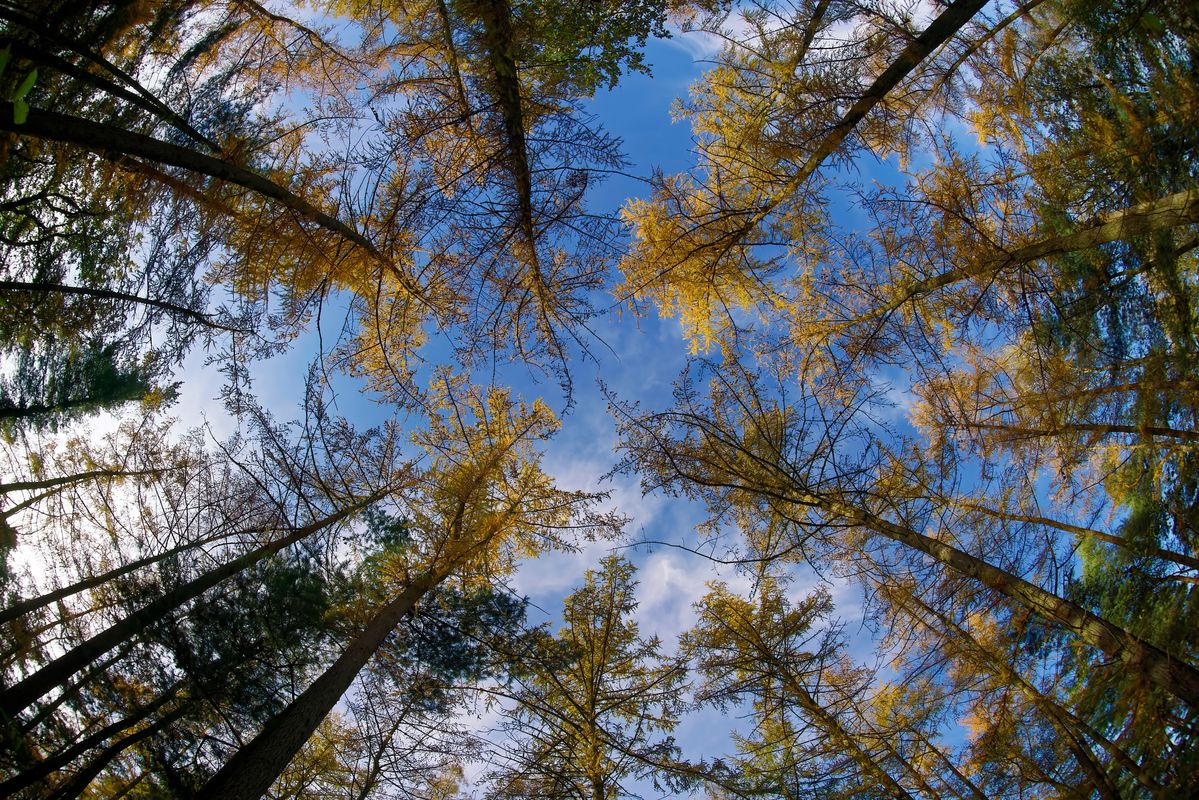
<point>671,582</point>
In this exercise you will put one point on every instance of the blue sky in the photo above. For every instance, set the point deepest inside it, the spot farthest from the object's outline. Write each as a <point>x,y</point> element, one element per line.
<point>639,361</point>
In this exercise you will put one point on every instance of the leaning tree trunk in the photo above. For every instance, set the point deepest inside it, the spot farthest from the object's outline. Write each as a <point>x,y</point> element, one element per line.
<point>939,31</point>
<point>255,767</point>
<point>176,310</point>
<point>1161,668</point>
<point>26,692</point>
<point>831,726</point>
<point>82,779</point>
<point>117,144</point>
<point>44,768</point>
<point>498,36</point>
<point>252,770</point>
<point>1067,723</point>
<point>1181,559</point>
<point>23,607</point>
<point>1154,216</point>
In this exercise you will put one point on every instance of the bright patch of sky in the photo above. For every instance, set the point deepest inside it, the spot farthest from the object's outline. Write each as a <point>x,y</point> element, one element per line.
<point>638,360</point>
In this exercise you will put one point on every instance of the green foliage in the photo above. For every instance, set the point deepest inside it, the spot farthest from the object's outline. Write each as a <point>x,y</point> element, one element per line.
<point>594,704</point>
<point>50,388</point>
<point>581,47</point>
<point>1024,531</point>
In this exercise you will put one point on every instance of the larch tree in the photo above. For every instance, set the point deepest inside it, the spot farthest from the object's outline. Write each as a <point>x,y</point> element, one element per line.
<point>972,396</point>
<point>593,706</point>
<point>805,738</point>
<point>758,454</point>
<point>213,521</point>
<point>483,501</point>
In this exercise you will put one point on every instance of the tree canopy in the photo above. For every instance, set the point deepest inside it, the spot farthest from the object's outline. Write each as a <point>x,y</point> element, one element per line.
<point>927,272</point>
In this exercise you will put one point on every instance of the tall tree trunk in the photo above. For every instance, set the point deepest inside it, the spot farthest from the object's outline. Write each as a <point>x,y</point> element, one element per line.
<point>256,766</point>
<point>953,770</point>
<point>496,17</point>
<point>831,726</point>
<point>174,309</point>
<point>26,692</point>
<point>1182,559</point>
<point>1144,431</point>
<point>82,779</point>
<point>939,31</point>
<point>66,480</point>
<point>451,56</point>
<point>136,93</point>
<point>115,144</point>
<point>24,607</point>
<point>46,767</point>
<point>1161,668</point>
<point>1067,723</point>
<point>1166,213</point>
<point>252,770</point>
<point>70,691</point>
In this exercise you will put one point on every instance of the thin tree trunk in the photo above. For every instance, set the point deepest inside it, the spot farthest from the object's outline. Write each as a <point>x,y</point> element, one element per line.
<point>970,786</point>
<point>1182,559</point>
<point>371,779</point>
<point>916,775</point>
<point>48,709</point>
<point>44,768</point>
<point>115,143</point>
<point>136,93</point>
<point>66,480</point>
<point>447,38</point>
<point>1062,718</point>
<point>1161,668</point>
<point>256,766</point>
<point>831,726</point>
<point>23,607</point>
<point>1085,427</point>
<point>109,294</point>
<point>976,45</point>
<point>825,721</point>
<point>42,409</point>
<point>1172,211</point>
<point>82,779</point>
<point>155,107</point>
<point>30,635</point>
<point>496,17</point>
<point>939,31</point>
<point>26,692</point>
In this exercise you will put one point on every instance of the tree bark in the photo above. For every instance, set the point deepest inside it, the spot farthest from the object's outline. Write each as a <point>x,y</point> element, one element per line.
<point>496,17</point>
<point>26,692</point>
<point>253,768</point>
<point>114,144</point>
<point>66,480</point>
<point>1085,427</point>
<point>136,93</point>
<point>1161,668</point>
<point>832,727</point>
<point>256,766</point>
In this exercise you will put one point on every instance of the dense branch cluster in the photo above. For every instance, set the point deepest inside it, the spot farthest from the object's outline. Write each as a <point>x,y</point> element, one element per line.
<point>935,270</point>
